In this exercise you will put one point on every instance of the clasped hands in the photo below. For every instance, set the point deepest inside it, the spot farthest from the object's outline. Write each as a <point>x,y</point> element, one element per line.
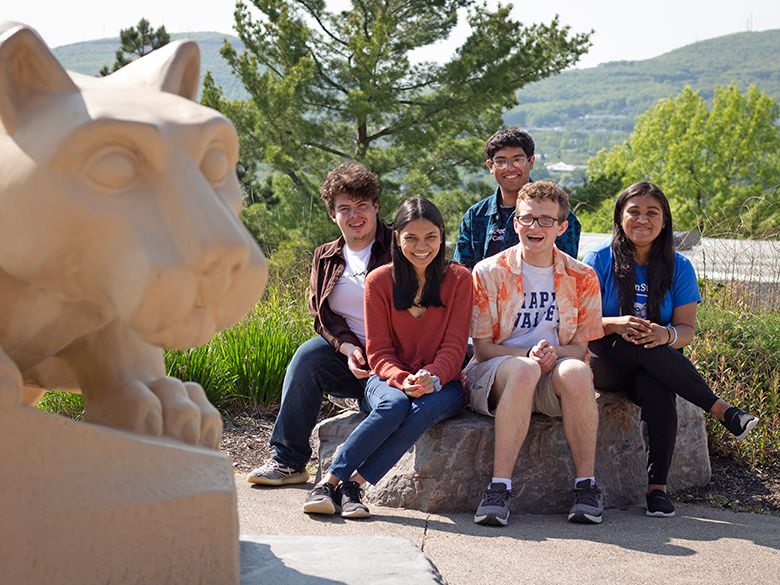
<point>418,384</point>
<point>544,354</point>
<point>642,332</point>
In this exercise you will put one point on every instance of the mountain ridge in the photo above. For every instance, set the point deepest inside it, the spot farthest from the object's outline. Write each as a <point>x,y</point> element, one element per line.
<point>571,115</point>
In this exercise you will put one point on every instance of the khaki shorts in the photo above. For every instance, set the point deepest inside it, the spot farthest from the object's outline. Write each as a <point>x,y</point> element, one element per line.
<point>479,382</point>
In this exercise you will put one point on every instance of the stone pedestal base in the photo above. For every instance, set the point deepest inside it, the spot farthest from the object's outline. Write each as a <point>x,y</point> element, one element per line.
<point>451,464</point>
<point>81,503</point>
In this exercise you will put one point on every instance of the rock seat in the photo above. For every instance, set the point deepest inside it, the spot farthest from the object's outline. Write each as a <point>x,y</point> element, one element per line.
<point>450,466</point>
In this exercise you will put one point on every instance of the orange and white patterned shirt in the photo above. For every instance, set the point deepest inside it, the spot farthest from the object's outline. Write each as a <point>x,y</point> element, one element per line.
<point>498,297</point>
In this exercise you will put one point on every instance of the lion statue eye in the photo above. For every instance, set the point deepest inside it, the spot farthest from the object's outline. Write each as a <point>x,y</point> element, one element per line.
<point>214,165</point>
<point>114,168</point>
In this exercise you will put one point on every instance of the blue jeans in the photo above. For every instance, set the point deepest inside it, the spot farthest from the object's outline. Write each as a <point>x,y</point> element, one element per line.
<point>316,369</point>
<point>392,427</point>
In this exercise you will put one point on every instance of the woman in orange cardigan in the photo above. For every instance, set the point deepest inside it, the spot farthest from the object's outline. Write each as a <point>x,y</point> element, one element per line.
<point>418,314</point>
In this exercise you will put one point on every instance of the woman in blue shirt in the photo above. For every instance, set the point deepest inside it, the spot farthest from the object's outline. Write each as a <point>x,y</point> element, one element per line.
<point>649,298</point>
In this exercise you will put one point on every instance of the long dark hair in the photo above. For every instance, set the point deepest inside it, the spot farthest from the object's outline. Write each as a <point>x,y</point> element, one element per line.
<point>660,263</point>
<point>404,277</point>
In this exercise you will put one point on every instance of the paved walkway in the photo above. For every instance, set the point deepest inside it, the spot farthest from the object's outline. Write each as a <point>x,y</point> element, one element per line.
<point>701,545</point>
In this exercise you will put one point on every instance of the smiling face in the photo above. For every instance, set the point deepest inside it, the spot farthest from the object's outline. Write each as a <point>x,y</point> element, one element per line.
<point>419,241</point>
<point>515,174</point>
<point>538,241</point>
<point>642,221</point>
<point>356,219</point>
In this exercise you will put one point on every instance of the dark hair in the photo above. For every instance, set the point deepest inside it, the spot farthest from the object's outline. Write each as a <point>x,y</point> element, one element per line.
<point>352,179</point>
<point>509,137</point>
<point>660,263</point>
<point>545,190</point>
<point>405,281</point>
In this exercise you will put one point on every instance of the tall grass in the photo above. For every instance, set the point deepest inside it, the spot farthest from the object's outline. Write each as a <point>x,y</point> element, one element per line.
<point>737,349</point>
<point>205,366</point>
<point>258,349</point>
<point>242,368</point>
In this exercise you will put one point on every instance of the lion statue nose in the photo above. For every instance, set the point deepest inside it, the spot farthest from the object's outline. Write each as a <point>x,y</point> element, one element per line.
<point>218,275</point>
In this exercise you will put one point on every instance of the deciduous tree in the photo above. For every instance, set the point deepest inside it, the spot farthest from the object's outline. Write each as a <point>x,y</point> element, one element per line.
<point>716,164</point>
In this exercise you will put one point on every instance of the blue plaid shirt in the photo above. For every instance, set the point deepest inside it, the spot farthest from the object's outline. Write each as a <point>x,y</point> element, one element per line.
<point>483,220</point>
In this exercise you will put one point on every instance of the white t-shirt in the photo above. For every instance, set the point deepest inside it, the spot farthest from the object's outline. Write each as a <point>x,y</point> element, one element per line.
<point>538,317</point>
<point>346,299</point>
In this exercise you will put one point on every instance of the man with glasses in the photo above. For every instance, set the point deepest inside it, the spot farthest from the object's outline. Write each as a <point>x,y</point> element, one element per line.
<point>334,362</point>
<point>535,310</point>
<point>486,228</point>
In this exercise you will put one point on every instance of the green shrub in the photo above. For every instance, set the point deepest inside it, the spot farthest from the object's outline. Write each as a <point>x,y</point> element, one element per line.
<point>737,349</point>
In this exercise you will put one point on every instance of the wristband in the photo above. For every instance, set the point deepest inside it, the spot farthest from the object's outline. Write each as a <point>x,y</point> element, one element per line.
<point>668,335</point>
<point>673,341</point>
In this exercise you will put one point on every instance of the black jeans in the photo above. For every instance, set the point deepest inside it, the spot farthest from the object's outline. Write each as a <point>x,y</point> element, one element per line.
<point>652,378</point>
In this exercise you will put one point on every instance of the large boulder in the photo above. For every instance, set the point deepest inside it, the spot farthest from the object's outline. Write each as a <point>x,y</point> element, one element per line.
<point>450,466</point>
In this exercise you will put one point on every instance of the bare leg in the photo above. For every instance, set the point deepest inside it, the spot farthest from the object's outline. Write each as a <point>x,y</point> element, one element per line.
<point>513,392</point>
<point>573,383</point>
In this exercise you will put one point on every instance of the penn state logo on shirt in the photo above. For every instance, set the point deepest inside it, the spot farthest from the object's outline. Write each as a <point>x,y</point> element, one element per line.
<point>640,300</point>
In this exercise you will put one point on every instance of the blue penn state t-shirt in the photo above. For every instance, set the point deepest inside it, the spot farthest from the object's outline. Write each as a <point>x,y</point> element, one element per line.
<point>684,290</point>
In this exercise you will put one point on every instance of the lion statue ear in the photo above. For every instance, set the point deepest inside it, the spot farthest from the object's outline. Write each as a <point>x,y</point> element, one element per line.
<point>173,68</point>
<point>29,74</point>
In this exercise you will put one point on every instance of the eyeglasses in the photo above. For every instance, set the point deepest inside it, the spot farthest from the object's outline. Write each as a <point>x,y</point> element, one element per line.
<point>544,221</point>
<point>515,161</point>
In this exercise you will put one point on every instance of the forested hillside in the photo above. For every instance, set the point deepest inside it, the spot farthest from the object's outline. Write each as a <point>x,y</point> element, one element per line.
<point>572,115</point>
<point>90,56</point>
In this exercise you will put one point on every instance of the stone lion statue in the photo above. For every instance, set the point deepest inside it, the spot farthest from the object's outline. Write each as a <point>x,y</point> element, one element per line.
<point>119,235</point>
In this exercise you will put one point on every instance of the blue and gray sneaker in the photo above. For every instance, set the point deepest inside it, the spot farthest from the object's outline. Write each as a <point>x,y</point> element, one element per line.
<point>588,507</point>
<point>493,510</point>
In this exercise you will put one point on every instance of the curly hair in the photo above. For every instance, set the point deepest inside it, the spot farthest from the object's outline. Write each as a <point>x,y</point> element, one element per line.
<point>351,178</point>
<point>509,137</point>
<point>660,264</point>
<point>546,190</point>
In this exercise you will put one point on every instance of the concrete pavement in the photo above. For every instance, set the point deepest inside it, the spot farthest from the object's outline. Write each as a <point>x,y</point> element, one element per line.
<point>700,545</point>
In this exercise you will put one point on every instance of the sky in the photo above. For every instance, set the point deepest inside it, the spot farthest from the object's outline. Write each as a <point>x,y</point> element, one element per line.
<point>623,30</point>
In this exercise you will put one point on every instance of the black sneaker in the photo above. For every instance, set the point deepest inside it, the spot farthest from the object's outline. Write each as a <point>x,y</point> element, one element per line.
<point>738,422</point>
<point>493,509</point>
<point>321,500</point>
<point>348,495</point>
<point>659,505</point>
<point>588,507</point>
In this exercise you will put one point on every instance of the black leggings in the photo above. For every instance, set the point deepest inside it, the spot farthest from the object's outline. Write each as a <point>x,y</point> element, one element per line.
<point>651,378</point>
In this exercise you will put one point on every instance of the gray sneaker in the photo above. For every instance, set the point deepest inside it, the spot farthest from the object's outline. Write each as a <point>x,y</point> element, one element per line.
<point>348,496</point>
<point>588,505</point>
<point>493,510</point>
<point>274,473</point>
<point>322,500</point>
